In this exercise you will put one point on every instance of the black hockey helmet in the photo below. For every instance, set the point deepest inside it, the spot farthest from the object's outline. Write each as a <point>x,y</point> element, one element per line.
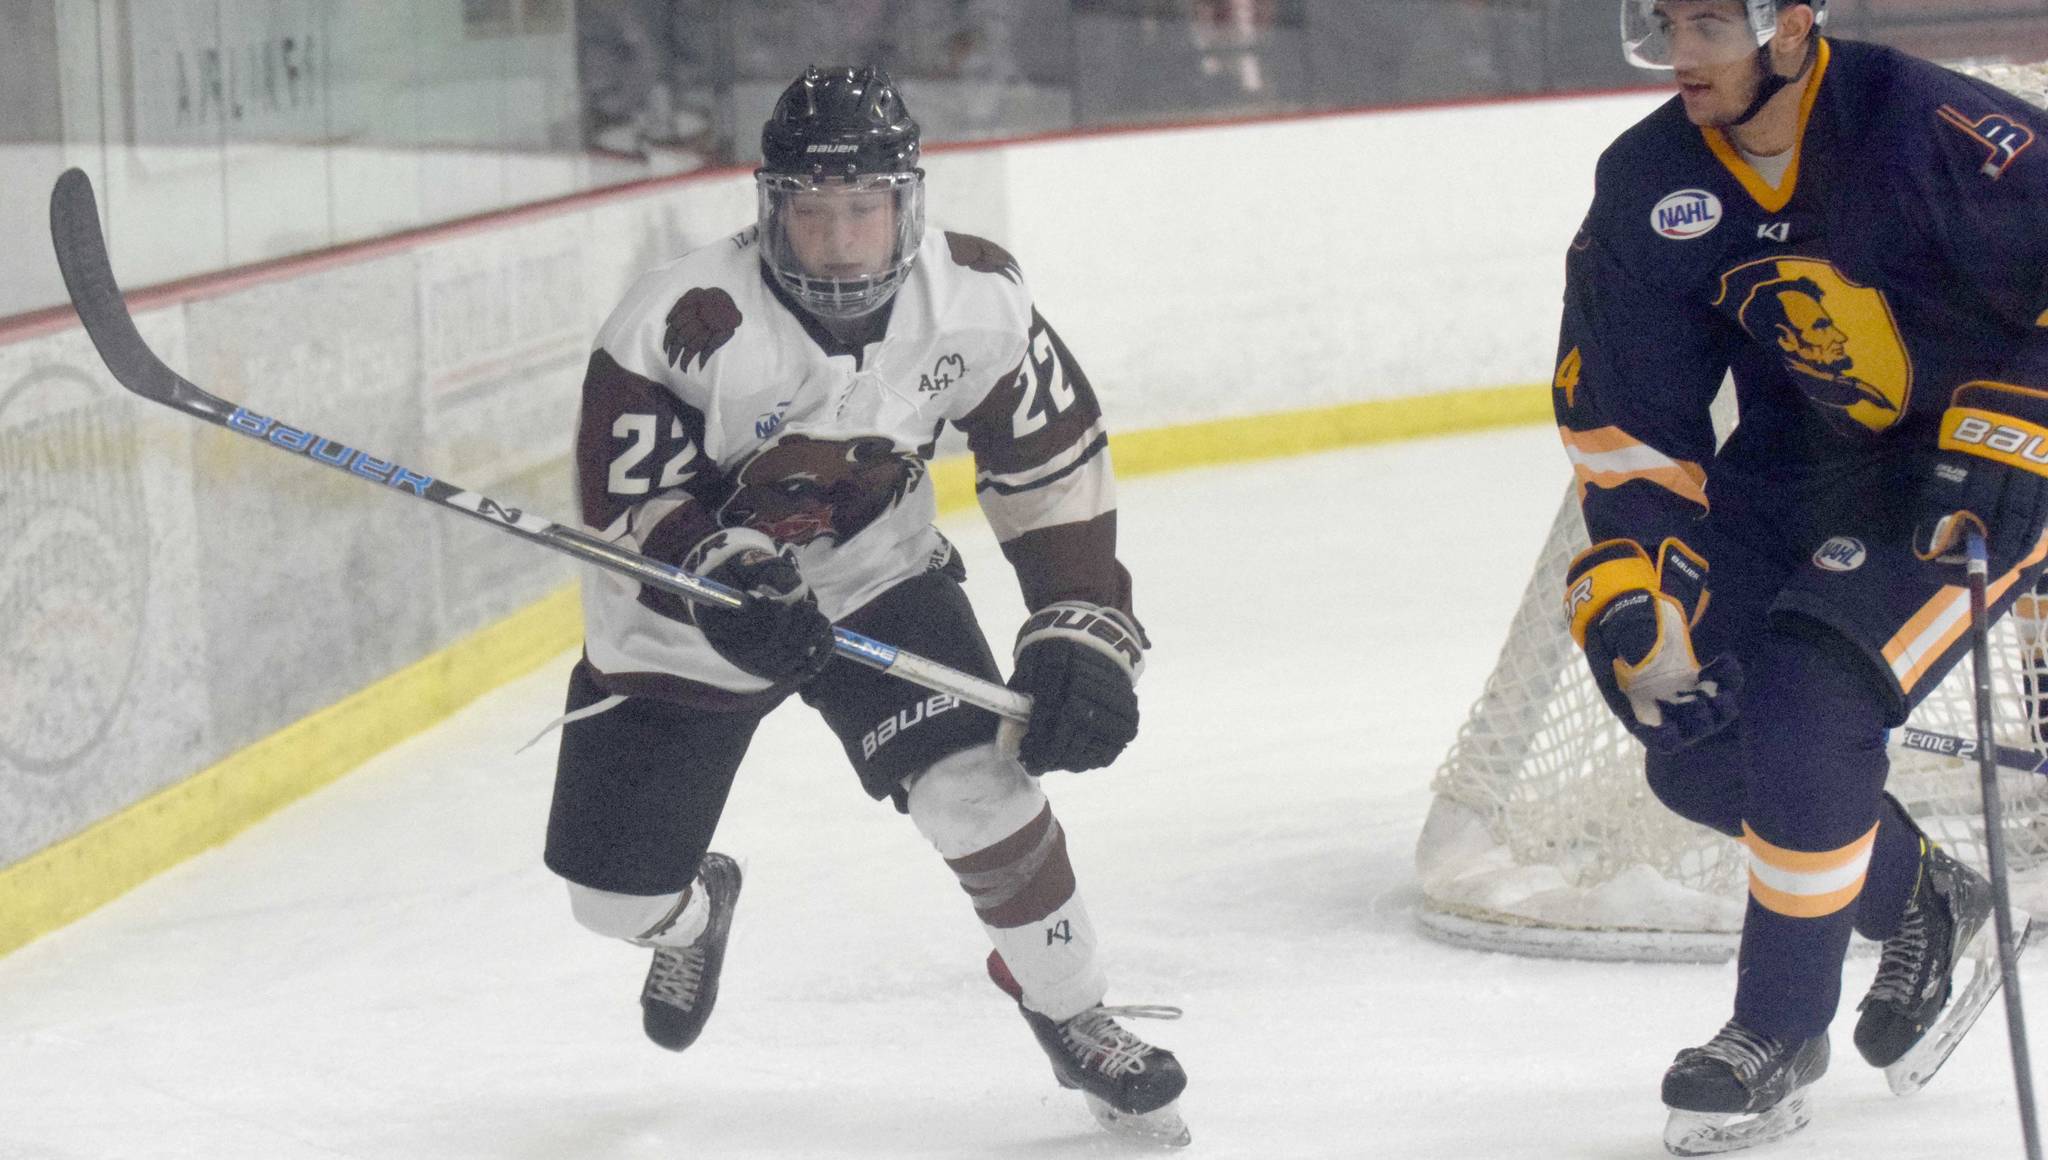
<point>840,141</point>
<point>840,121</point>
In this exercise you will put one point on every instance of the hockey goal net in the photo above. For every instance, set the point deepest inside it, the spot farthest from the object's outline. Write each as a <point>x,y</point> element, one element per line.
<point>1544,838</point>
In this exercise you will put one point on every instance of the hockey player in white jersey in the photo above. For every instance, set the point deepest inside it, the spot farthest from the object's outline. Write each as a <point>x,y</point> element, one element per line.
<point>761,412</point>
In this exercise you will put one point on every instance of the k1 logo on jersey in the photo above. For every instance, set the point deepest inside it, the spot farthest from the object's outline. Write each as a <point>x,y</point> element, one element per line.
<point>1686,214</point>
<point>1839,554</point>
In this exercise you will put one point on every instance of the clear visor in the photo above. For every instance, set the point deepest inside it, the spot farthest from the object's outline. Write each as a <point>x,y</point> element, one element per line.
<point>1668,34</point>
<point>841,246</point>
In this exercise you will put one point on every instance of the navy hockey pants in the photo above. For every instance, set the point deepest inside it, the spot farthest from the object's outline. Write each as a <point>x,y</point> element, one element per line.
<point>1840,631</point>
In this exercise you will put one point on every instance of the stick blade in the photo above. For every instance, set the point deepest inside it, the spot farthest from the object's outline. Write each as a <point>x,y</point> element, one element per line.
<point>89,279</point>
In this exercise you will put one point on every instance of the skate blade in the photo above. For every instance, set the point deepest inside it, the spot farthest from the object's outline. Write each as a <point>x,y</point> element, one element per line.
<point>1911,1071</point>
<point>1708,1133</point>
<point>1162,1126</point>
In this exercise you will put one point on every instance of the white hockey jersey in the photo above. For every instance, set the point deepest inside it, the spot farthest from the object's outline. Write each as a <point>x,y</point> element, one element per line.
<point>712,401</point>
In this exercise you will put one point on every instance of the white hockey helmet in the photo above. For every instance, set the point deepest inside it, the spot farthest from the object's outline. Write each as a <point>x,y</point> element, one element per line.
<point>1712,28</point>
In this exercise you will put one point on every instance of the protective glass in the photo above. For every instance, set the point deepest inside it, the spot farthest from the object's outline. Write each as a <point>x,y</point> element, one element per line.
<point>841,246</point>
<point>1664,34</point>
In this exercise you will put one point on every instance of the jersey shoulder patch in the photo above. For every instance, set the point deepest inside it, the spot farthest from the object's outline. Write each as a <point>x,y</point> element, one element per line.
<point>982,256</point>
<point>677,316</point>
<point>702,320</point>
<point>975,287</point>
<point>2001,136</point>
<point>1970,124</point>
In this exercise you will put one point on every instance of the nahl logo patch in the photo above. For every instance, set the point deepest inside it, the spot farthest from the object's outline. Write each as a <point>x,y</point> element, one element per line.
<point>1839,554</point>
<point>1686,214</point>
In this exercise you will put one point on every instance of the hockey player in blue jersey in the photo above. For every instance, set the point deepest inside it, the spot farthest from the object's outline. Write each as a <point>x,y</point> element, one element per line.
<point>1858,236</point>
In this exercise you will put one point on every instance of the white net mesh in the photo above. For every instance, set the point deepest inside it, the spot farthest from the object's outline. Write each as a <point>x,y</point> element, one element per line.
<point>1544,837</point>
<point>1543,825</point>
<point>2028,80</point>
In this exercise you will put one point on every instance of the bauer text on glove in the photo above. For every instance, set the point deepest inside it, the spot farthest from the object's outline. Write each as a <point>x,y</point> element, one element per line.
<point>1991,472</point>
<point>1079,664</point>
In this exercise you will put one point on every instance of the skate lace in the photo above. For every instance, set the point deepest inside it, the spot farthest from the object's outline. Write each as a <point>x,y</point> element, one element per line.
<point>1095,1037</point>
<point>675,975</point>
<point>1898,967</point>
<point>1741,1049</point>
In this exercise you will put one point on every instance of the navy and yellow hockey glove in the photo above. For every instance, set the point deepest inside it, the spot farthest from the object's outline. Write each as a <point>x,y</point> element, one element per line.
<point>1079,663</point>
<point>779,634</point>
<point>1991,471</point>
<point>1635,622</point>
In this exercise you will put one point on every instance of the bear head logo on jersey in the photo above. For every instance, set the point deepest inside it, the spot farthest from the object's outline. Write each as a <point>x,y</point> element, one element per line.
<point>1839,341</point>
<point>801,489</point>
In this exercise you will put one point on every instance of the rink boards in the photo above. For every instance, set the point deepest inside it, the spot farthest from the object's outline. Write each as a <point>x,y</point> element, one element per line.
<point>198,633</point>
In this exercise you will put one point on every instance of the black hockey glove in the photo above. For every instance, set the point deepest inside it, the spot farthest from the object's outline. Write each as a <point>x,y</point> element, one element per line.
<point>1079,663</point>
<point>1635,623</point>
<point>778,634</point>
<point>1991,471</point>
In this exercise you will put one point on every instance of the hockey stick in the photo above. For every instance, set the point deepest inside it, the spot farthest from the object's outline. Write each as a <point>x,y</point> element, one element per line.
<point>1994,844</point>
<point>89,276</point>
<point>1964,748</point>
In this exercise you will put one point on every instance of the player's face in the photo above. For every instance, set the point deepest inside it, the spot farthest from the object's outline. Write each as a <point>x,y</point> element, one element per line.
<point>839,232</point>
<point>1710,48</point>
<point>1814,338</point>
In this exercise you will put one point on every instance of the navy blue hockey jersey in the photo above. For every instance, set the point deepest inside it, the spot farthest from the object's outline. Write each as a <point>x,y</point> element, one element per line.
<point>1903,252</point>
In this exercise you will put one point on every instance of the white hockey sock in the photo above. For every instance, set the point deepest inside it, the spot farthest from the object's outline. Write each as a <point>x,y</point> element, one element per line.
<point>999,836</point>
<point>1054,960</point>
<point>651,920</point>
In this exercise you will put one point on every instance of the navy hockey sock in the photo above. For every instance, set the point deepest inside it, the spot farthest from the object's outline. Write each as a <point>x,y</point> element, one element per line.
<point>1814,820</point>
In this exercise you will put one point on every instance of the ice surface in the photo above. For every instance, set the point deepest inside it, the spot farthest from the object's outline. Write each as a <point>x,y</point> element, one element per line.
<point>386,972</point>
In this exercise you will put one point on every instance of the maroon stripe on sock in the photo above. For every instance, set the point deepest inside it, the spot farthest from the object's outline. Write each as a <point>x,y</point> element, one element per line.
<point>1007,851</point>
<point>1022,878</point>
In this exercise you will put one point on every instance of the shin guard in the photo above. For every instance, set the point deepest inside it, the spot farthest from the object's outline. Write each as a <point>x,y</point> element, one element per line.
<point>999,836</point>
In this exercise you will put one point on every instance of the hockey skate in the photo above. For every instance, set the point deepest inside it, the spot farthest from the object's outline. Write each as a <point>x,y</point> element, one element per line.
<point>682,982</point>
<point>1132,1087</point>
<point>1934,976</point>
<point>1738,1090</point>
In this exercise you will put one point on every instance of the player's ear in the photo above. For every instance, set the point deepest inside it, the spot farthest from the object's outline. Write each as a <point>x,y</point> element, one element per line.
<point>1789,47</point>
<point>1795,24</point>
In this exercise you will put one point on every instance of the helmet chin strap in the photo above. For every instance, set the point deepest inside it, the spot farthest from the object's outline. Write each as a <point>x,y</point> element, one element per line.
<point>1772,83</point>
